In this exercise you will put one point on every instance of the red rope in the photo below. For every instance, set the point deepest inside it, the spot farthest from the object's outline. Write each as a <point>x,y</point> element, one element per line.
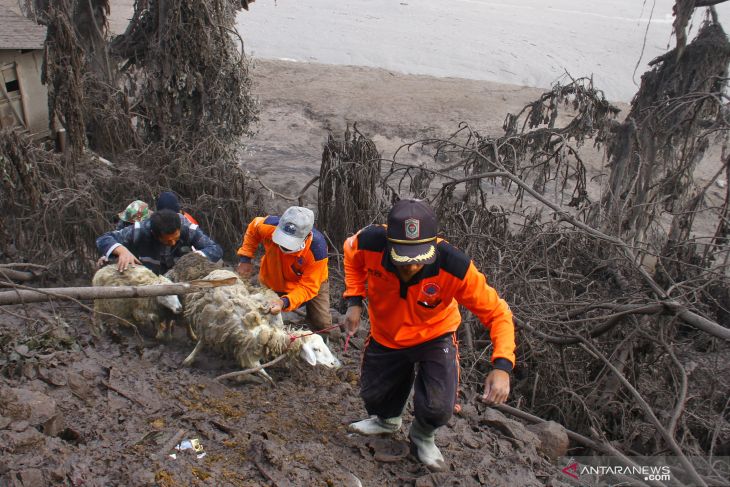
<point>347,342</point>
<point>294,337</point>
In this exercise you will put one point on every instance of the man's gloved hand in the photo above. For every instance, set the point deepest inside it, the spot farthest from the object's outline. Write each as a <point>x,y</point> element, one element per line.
<point>245,269</point>
<point>352,320</point>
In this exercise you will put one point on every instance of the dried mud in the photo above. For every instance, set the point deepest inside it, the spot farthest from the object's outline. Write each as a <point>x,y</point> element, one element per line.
<point>81,411</point>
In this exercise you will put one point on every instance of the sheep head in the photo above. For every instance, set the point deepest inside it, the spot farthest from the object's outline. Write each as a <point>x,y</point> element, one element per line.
<point>171,302</point>
<point>315,351</point>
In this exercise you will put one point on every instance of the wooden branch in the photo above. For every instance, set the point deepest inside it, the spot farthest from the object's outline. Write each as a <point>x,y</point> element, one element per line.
<point>707,3</point>
<point>24,294</point>
<point>252,370</point>
<point>686,315</point>
<point>299,198</point>
<point>23,265</point>
<point>671,443</point>
<point>703,324</point>
<point>171,443</point>
<point>122,393</point>
<point>11,274</point>
<point>597,331</point>
<point>682,393</point>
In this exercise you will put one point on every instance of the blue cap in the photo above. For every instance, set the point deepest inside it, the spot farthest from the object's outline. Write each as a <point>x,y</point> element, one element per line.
<point>168,201</point>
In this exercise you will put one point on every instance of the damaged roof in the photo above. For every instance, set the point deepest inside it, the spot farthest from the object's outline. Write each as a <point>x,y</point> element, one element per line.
<point>17,32</point>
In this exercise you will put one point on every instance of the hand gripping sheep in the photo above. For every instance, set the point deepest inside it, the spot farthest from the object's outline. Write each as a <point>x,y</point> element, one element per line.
<point>231,320</point>
<point>152,315</point>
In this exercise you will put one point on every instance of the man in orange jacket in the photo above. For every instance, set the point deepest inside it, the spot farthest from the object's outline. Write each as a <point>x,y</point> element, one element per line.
<point>414,282</point>
<point>294,263</point>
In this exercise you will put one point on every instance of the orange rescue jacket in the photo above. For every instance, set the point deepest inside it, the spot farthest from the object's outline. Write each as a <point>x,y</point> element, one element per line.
<point>406,314</point>
<point>189,217</point>
<point>299,275</point>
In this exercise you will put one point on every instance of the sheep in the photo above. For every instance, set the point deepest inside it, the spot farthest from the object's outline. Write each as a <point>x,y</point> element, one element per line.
<point>151,314</point>
<point>232,320</point>
<point>191,266</point>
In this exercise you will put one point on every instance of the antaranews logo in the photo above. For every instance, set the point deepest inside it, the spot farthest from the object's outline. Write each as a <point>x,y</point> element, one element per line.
<point>572,470</point>
<point>598,469</point>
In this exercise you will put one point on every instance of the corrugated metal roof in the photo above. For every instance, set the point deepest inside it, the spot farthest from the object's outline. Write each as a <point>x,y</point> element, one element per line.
<point>17,32</point>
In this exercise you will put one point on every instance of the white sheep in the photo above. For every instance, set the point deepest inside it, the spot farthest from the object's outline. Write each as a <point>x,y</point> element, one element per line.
<point>232,320</point>
<point>152,315</point>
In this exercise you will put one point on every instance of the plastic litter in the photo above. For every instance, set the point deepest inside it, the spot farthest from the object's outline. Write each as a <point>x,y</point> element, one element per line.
<point>191,444</point>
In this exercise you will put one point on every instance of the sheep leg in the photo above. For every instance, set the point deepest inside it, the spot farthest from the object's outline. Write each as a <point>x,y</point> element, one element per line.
<point>189,360</point>
<point>170,326</point>
<point>96,326</point>
<point>160,330</point>
<point>191,333</point>
<point>266,376</point>
<point>244,379</point>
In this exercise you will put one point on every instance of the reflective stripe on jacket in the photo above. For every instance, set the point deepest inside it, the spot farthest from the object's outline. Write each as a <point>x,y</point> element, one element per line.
<point>407,314</point>
<point>298,275</point>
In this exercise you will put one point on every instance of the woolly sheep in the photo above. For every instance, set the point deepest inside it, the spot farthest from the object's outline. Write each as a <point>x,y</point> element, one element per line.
<point>151,314</point>
<point>232,320</point>
<point>191,266</point>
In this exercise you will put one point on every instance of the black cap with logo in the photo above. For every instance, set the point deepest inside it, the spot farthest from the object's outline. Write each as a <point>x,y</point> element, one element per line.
<point>412,229</point>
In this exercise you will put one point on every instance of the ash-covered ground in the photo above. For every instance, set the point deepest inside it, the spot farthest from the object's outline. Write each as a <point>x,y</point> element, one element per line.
<point>75,410</point>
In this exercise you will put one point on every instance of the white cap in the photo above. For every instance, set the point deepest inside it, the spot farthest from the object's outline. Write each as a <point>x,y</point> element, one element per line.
<point>294,226</point>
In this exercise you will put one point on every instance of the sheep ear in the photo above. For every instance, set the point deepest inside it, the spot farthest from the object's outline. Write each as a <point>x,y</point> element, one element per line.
<point>307,354</point>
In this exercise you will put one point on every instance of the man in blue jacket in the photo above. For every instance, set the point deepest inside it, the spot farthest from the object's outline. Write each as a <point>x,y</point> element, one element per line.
<point>157,243</point>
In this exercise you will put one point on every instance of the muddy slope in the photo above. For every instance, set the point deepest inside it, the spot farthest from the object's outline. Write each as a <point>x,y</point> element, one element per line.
<point>77,411</point>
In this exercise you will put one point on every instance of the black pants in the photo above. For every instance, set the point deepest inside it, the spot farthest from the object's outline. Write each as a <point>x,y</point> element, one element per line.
<point>388,374</point>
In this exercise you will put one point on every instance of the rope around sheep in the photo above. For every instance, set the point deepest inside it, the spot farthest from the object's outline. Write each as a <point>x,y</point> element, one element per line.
<point>277,359</point>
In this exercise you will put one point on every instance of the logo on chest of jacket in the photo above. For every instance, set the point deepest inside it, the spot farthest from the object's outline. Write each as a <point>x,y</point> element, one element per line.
<point>412,228</point>
<point>429,297</point>
<point>431,289</point>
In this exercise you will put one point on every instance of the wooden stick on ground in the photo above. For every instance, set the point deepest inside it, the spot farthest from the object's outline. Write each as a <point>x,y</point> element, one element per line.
<point>171,443</point>
<point>251,370</point>
<point>122,393</point>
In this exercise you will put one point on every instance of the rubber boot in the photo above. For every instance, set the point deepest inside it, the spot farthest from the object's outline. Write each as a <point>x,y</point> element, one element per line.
<point>375,425</point>
<point>423,446</point>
